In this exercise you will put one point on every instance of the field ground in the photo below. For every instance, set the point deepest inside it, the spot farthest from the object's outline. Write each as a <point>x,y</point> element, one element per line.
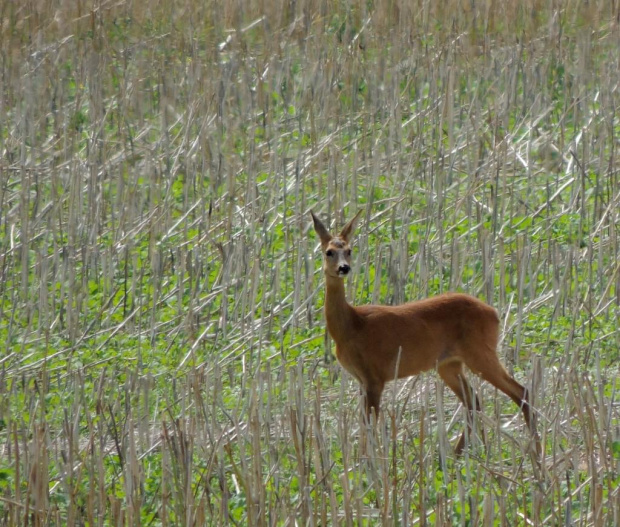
<point>166,361</point>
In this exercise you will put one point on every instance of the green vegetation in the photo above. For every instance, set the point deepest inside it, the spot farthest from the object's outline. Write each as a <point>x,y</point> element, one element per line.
<point>165,357</point>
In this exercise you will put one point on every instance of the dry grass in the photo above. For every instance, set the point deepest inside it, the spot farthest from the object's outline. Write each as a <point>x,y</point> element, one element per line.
<point>166,361</point>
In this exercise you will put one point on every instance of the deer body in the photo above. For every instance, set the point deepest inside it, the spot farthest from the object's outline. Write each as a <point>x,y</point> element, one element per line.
<point>443,332</point>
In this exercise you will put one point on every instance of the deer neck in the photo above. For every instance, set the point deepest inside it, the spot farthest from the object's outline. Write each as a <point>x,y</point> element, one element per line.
<point>339,315</point>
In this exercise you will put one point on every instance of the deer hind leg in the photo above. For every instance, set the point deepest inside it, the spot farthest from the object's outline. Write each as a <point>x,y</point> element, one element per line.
<point>494,372</point>
<point>451,371</point>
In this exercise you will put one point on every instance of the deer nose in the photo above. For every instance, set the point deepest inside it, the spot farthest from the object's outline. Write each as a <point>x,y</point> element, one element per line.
<point>344,269</point>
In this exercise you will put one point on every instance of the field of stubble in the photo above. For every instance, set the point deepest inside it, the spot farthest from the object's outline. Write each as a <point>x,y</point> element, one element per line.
<point>164,356</point>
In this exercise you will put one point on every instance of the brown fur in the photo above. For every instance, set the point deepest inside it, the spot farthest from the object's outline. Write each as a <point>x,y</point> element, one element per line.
<point>442,332</point>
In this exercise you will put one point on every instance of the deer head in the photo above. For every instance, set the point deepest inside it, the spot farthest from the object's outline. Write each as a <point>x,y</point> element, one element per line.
<point>336,249</point>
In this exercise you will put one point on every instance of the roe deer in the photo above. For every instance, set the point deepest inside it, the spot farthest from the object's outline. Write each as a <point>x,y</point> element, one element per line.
<point>442,332</point>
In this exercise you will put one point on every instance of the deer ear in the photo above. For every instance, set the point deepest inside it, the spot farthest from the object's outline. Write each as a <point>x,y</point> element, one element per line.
<point>348,229</point>
<point>321,230</point>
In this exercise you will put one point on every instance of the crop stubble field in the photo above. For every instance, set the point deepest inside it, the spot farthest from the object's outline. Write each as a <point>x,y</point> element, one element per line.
<point>166,360</point>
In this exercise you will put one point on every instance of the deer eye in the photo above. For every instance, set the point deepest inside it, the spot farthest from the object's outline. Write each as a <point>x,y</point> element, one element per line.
<point>329,252</point>
<point>348,252</point>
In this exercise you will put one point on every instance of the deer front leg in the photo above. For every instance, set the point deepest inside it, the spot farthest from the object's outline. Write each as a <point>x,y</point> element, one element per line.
<point>373,398</point>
